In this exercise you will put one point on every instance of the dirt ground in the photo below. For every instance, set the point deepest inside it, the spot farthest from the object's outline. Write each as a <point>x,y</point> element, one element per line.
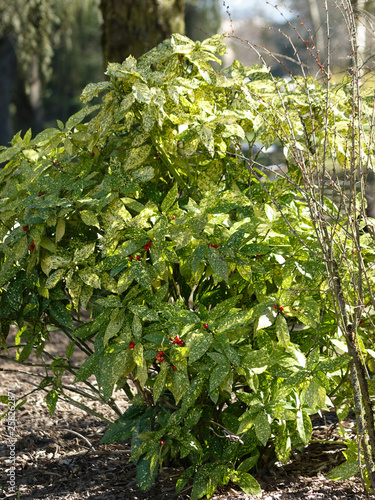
<point>61,457</point>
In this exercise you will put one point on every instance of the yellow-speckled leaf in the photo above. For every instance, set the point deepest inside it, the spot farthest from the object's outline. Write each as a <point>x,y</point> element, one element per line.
<point>54,278</point>
<point>344,471</point>
<point>115,323</point>
<point>282,444</point>
<point>315,396</point>
<point>89,218</point>
<point>82,253</point>
<point>282,331</point>
<point>262,427</point>
<point>218,263</point>
<point>60,230</point>
<point>75,289</point>
<point>160,380</point>
<point>89,277</point>
<point>199,345</point>
<point>86,295</point>
<point>142,373</point>
<point>137,156</point>
<point>179,381</point>
<point>54,261</point>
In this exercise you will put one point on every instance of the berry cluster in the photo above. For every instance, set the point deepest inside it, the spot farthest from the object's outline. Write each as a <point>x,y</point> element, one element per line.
<point>213,246</point>
<point>278,308</point>
<point>172,217</point>
<point>138,257</point>
<point>177,341</point>
<point>147,247</point>
<point>160,357</point>
<point>131,345</point>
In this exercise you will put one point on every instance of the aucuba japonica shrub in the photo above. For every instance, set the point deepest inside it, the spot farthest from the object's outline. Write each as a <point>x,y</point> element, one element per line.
<point>208,306</point>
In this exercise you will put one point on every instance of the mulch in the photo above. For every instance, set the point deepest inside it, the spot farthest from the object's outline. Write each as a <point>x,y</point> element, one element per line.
<point>61,457</point>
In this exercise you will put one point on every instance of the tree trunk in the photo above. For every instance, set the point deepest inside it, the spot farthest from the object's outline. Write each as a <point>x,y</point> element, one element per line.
<point>362,9</point>
<point>315,7</point>
<point>28,100</point>
<point>133,28</point>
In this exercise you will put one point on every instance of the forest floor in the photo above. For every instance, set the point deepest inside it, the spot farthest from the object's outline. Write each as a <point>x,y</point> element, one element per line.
<point>60,457</point>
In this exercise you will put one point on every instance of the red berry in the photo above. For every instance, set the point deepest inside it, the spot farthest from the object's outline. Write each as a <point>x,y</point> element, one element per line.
<point>93,154</point>
<point>32,246</point>
<point>131,345</point>
<point>173,218</point>
<point>161,353</point>
<point>56,163</point>
<point>24,228</point>
<point>138,257</point>
<point>161,442</point>
<point>257,255</point>
<point>161,358</point>
<point>168,215</point>
<point>205,326</point>
<point>275,307</point>
<point>281,309</point>
<point>40,194</point>
<point>156,155</point>
<point>174,368</point>
<point>131,257</point>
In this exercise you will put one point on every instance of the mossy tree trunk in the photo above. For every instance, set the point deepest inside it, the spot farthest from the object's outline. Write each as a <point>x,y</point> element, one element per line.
<point>136,26</point>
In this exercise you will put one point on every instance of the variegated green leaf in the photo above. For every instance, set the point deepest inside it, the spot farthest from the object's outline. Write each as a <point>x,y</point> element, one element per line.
<point>89,277</point>
<point>200,343</point>
<point>89,218</point>
<point>282,330</point>
<point>262,427</point>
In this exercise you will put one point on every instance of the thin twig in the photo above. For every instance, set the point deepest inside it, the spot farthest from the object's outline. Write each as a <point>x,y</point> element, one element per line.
<point>81,436</point>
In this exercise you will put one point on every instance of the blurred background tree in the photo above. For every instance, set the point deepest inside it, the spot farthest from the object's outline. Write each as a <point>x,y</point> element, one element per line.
<point>136,27</point>
<point>27,31</point>
<point>49,50</point>
<point>203,18</point>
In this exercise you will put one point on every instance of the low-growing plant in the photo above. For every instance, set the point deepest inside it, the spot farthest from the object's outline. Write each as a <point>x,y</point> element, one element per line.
<point>205,283</point>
